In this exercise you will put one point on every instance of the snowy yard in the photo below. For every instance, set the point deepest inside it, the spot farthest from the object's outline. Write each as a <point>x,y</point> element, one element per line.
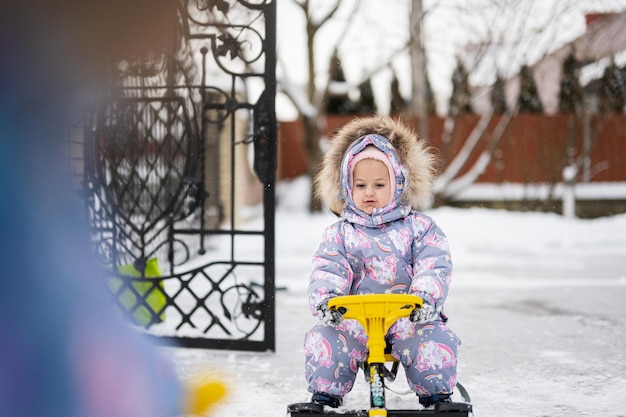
<point>538,301</point>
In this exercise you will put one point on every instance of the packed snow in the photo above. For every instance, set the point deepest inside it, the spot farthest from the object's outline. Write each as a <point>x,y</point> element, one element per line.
<point>537,299</point>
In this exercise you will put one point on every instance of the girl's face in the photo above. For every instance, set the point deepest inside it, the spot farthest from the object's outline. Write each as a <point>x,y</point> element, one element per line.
<point>371,186</point>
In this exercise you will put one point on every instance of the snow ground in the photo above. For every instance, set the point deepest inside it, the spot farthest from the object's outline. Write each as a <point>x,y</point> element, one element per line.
<point>538,301</point>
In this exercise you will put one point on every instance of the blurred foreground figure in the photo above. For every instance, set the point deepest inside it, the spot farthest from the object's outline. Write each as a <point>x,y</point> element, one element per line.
<point>63,350</point>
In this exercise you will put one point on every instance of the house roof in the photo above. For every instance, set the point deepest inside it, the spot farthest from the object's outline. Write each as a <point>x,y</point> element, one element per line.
<point>603,41</point>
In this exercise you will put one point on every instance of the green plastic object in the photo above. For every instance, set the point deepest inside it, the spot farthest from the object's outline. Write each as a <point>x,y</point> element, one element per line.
<point>152,292</point>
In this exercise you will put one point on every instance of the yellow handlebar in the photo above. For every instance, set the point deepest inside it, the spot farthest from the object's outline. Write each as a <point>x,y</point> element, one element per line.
<point>377,313</point>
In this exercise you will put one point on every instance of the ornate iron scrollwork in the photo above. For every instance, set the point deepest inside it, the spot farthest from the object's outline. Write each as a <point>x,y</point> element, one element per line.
<point>157,151</point>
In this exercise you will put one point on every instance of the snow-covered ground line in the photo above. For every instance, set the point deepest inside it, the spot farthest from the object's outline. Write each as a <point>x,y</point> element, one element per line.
<point>538,301</point>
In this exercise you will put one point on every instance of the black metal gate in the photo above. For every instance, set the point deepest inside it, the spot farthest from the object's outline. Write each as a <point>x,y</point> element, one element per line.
<point>179,173</point>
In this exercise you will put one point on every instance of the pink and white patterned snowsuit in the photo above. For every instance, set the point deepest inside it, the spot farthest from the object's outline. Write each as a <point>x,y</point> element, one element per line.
<point>395,250</point>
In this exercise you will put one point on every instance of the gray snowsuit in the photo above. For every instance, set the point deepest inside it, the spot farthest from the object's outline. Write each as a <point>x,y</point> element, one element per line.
<point>396,249</point>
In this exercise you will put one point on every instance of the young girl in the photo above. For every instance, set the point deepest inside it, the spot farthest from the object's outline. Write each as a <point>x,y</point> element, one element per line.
<point>375,176</point>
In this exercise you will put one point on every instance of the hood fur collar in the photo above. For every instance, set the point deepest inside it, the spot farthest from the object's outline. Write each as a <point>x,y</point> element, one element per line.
<point>413,152</point>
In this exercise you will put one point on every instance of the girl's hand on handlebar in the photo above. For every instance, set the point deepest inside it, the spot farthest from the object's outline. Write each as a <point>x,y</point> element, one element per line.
<point>423,315</point>
<point>330,316</point>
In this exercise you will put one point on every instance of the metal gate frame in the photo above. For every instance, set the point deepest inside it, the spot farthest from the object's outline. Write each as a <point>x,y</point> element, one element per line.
<point>180,265</point>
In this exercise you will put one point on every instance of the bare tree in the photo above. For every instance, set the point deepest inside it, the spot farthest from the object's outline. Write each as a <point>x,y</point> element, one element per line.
<point>503,23</point>
<point>418,104</point>
<point>311,106</point>
<point>498,96</point>
<point>508,42</point>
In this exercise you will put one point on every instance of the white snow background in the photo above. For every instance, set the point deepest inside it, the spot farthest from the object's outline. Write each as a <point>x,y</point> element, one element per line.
<point>538,300</point>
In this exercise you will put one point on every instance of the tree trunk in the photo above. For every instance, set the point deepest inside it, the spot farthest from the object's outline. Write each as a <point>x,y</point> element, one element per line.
<point>314,157</point>
<point>419,91</point>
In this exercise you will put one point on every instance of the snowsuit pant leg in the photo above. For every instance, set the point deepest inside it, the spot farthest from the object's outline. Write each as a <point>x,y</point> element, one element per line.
<point>428,352</point>
<point>332,355</point>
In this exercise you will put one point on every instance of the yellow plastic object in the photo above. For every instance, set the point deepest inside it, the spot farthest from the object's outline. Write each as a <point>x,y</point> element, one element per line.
<point>376,313</point>
<point>377,412</point>
<point>201,396</point>
<point>152,291</point>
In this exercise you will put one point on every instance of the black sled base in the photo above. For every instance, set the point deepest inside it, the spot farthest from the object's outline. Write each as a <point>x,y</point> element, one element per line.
<point>317,410</point>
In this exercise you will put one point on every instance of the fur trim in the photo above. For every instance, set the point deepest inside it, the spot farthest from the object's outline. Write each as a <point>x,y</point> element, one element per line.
<point>414,153</point>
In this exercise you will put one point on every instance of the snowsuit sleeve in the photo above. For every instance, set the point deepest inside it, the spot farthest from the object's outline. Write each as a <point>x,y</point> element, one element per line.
<point>332,275</point>
<point>432,265</point>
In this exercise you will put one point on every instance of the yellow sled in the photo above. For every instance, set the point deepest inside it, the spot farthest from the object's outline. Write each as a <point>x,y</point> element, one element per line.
<point>377,313</point>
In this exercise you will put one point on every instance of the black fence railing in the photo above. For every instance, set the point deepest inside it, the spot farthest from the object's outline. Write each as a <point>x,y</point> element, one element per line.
<point>165,177</point>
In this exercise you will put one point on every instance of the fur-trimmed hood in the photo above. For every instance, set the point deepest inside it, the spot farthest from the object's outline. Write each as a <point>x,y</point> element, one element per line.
<point>416,159</point>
